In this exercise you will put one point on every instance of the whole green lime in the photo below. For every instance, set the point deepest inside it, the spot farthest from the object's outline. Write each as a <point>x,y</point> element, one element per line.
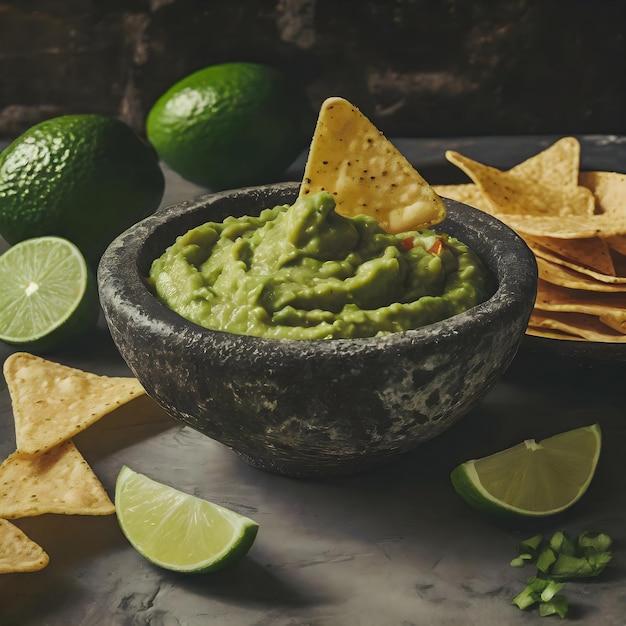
<point>82,177</point>
<point>231,125</point>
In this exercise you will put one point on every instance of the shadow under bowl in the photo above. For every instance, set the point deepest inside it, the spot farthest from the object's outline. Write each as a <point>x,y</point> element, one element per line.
<point>308,408</point>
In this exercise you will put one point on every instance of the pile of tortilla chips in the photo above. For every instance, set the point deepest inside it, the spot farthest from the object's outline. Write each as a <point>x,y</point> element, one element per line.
<point>575,223</point>
<point>47,474</point>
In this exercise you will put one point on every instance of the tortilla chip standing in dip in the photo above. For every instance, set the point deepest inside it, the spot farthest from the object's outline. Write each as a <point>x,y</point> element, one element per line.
<point>575,223</point>
<point>366,174</point>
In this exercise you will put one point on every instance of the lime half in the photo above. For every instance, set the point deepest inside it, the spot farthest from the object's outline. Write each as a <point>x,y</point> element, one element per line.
<point>532,479</point>
<point>178,531</point>
<point>48,296</point>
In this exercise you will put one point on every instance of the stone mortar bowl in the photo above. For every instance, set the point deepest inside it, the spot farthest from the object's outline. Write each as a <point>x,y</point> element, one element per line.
<point>308,408</point>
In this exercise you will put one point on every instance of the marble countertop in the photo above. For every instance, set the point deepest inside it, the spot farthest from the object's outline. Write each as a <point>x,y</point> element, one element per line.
<point>395,546</point>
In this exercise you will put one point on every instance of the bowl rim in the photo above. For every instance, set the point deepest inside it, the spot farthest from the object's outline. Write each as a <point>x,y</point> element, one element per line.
<point>516,275</point>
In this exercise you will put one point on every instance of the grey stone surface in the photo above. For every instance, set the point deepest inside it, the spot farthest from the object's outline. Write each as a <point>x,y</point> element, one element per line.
<point>393,546</point>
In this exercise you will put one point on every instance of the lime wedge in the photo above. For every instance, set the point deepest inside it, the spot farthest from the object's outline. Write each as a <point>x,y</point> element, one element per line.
<point>49,295</point>
<point>532,479</point>
<point>178,531</point>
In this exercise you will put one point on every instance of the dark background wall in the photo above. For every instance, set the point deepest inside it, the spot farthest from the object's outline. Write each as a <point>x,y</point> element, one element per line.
<point>416,67</point>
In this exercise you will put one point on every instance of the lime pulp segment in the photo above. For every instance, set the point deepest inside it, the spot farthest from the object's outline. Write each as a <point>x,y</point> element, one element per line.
<point>43,282</point>
<point>176,530</point>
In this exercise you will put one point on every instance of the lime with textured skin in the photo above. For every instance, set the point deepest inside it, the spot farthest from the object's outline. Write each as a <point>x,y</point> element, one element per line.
<point>82,177</point>
<point>49,295</point>
<point>176,530</point>
<point>231,125</point>
<point>532,479</point>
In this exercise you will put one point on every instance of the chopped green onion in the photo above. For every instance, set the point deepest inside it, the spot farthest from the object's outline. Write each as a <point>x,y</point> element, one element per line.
<point>559,559</point>
<point>530,545</point>
<point>551,589</point>
<point>567,566</point>
<point>526,599</point>
<point>562,543</point>
<point>546,559</point>
<point>557,606</point>
<point>521,560</point>
<point>597,542</point>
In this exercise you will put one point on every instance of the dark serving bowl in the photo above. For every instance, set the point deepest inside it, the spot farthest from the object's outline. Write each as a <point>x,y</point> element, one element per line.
<point>314,408</point>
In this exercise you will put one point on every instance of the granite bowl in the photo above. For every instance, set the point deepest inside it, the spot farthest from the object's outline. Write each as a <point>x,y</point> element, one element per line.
<point>307,408</point>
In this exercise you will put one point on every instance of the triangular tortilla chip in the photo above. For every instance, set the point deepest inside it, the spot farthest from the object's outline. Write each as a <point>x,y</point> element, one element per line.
<point>609,189</point>
<point>57,481</point>
<point>53,402</point>
<point>559,298</point>
<point>614,321</point>
<point>552,297</point>
<point>537,331</point>
<point>588,252</point>
<point>588,327</point>
<point>532,197</point>
<point>579,269</point>
<point>566,227</point>
<point>556,166</point>
<point>609,220</point>
<point>19,553</point>
<point>558,274</point>
<point>367,175</point>
<point>577,266</point>
<point>512,193</point>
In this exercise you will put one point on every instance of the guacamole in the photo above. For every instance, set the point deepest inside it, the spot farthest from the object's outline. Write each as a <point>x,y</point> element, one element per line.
<point>305,272</point>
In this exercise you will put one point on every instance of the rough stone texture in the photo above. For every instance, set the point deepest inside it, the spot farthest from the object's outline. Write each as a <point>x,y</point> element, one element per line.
<point>417,68</point>
<point>315,408</point>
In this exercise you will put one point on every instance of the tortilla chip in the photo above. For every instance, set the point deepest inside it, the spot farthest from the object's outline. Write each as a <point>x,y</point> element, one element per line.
<point>615,321</point>
<point>514,192</point>
<point>53,402</point>
<point>546,333</point>
<point>609,189</point>
<point>567,227</point>
<point>467,193</point>
<point>57,481</point>
<point>556,166</point>
<point>351,159</point>
<point>545,254</point>
<point>590,252</point>
<point>558,274</point>
<point>19,553</point>
<point>585,326</point>
<point>552,297</point>
<point>609,219</point>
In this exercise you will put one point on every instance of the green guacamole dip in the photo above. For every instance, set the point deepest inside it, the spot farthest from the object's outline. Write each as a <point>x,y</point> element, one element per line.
<point>305,272</point>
